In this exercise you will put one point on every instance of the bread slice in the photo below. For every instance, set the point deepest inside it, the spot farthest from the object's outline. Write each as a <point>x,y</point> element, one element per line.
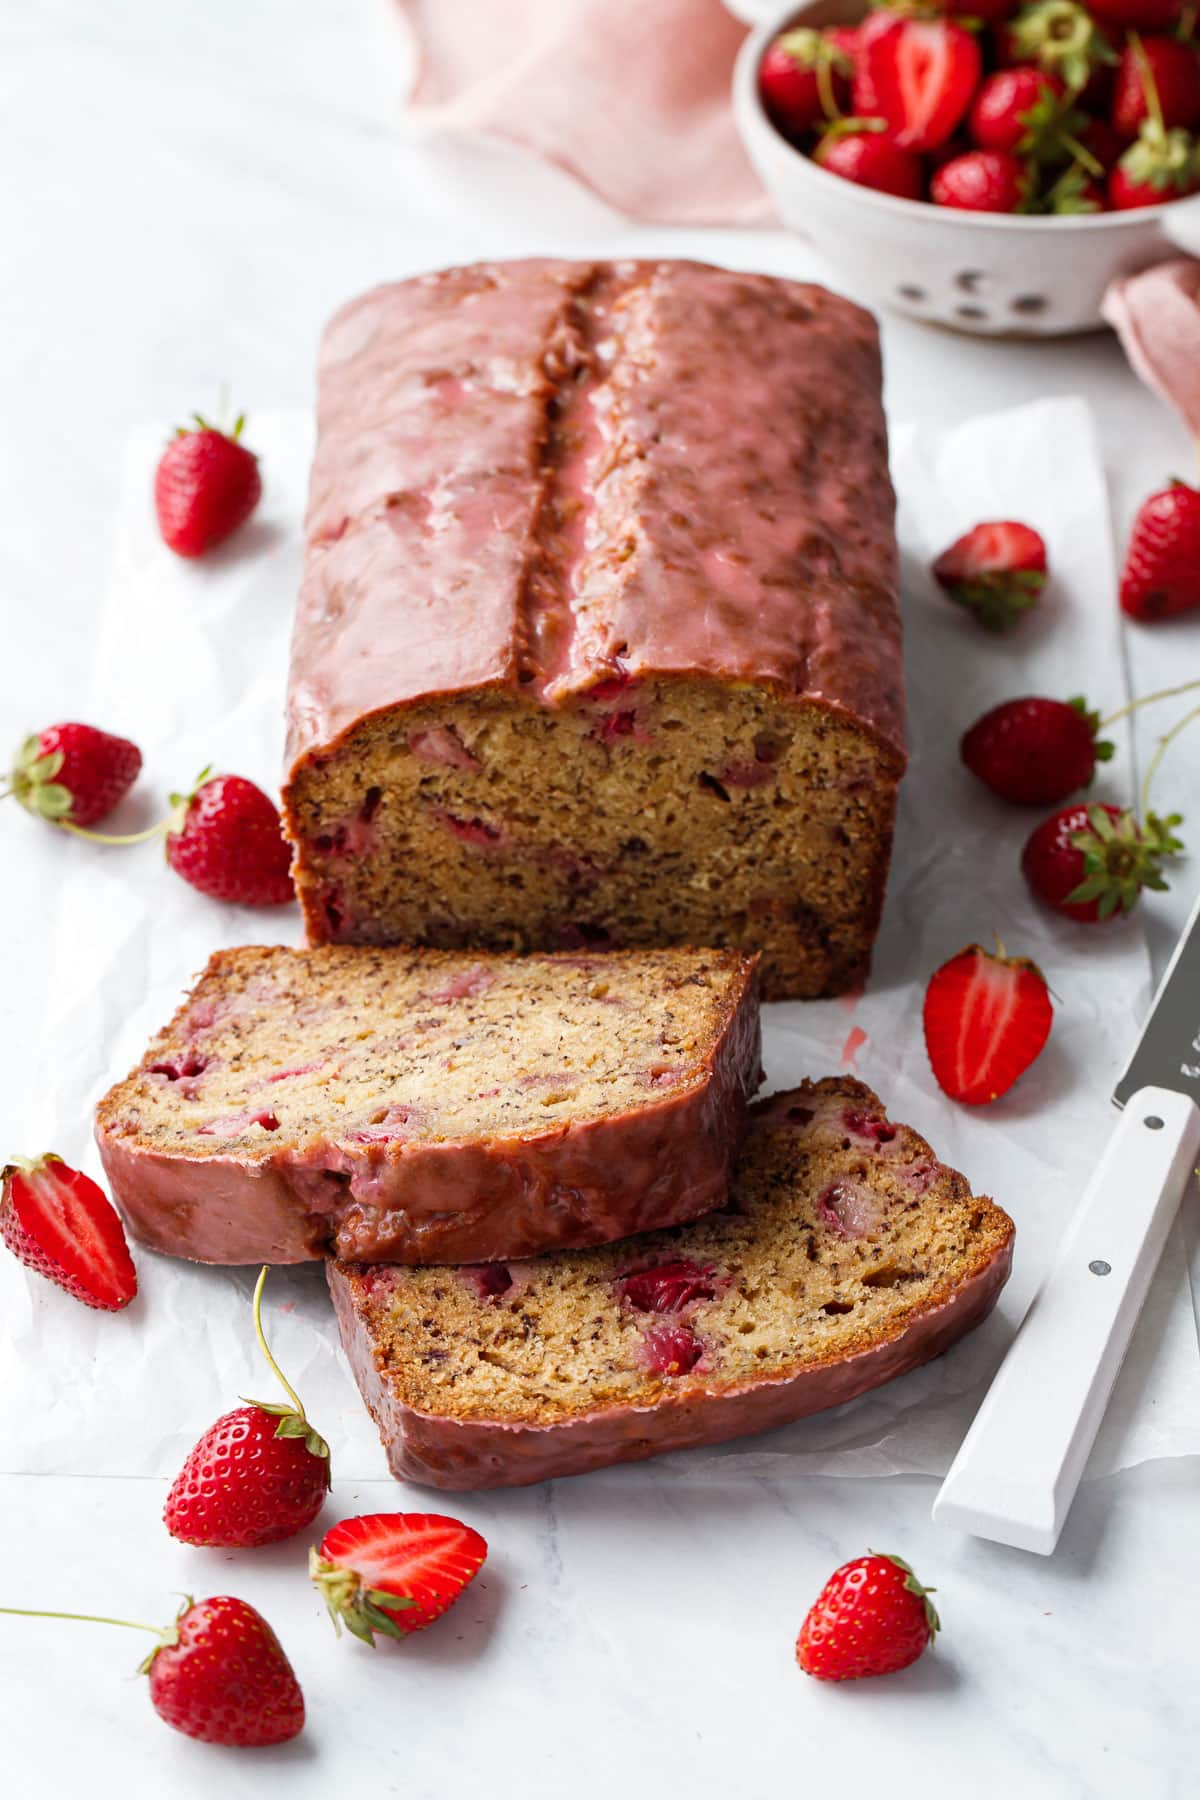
<point>847,1255</point>
<point>427,1106</point>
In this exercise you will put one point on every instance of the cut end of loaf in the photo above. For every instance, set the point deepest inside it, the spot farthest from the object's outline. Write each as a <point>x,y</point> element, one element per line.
<point>842,1233</point>
<point>643,812</point>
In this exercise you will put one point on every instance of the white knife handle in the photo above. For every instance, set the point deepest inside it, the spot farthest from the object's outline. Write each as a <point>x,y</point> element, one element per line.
<point>1015,1476</point>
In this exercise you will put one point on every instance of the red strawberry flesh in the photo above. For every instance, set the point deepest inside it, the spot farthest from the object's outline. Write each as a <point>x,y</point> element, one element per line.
<point>670,1350</point>
<point>426,1559</point>
<point>59,1223</point>
<point>668,1287</point>
<point>919,75</point>
<point>987,1018</point>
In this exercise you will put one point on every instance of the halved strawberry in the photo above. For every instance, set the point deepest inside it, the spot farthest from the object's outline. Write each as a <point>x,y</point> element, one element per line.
<point>919,75</point>
<point>57,1221</point>
<point>394,1572</point>
<point>997,570</point>
<point>987,1017</point>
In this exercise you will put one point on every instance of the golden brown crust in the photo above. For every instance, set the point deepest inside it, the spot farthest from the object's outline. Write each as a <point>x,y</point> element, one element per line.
<point>848,1255</point>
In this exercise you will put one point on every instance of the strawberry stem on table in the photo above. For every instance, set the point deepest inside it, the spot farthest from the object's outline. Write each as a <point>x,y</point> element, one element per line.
<point>1155,763</point>
<point>106,837</point>
<point>165,1634</point>
<point>1132,706</point>
<point>293,1420</point>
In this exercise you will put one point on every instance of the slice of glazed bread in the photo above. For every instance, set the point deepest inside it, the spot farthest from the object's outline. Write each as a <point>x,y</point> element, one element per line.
<point>422,1106</point>
<point>847,1255</point>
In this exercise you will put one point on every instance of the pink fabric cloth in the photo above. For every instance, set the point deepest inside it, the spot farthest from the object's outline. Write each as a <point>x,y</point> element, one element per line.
<point>630,96</point>
<point>1156,315</point>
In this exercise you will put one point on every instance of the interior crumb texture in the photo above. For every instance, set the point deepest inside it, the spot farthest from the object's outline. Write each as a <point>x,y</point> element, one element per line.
<point>842,1228</point>
<point>642,812</point>
<point>358,1046</point>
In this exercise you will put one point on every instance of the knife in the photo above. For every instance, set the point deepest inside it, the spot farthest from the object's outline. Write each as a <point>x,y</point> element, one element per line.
<point>1020,1463</point>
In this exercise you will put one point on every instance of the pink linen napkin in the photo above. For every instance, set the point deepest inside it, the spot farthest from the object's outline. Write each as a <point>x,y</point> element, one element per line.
<point>1156,315</point>
<point>630,96</point>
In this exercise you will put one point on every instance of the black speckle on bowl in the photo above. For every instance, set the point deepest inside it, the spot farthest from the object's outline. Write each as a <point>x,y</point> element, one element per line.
<point>908,291</point>
<point>1029,303</point>
<point>968,280</point>
<point>970,312</point>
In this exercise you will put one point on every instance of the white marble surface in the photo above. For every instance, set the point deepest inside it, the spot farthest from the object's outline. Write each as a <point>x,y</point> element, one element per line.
<point>188,193</point>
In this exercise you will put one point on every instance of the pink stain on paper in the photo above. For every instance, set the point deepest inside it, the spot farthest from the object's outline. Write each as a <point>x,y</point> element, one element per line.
<point>856,1037</point>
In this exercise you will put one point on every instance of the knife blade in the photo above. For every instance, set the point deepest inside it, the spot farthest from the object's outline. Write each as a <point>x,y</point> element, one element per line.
<point>1168,1052</point>
<point>1016,1473</point>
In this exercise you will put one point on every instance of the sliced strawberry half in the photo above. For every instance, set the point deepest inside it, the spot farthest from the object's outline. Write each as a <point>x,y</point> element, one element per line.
<point>57,1221</point>
<point>394,1572</point>
<point>987,1018</point>
<point>997,570</point>
<point>920,75</point>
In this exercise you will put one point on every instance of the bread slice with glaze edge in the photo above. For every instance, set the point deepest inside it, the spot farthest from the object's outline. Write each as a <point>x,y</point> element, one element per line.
<point>431,1106</point>
<point>847,1256</point>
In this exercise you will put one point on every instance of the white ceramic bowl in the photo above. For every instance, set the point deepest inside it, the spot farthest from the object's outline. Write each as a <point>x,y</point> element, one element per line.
<point>991,273</point>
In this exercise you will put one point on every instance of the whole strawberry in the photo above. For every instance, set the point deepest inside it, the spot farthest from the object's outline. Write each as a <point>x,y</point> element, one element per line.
<point>1157,78</point>
<point>1159,165</point>
<point>1034,751</point>
<point>58,1222</point>
<point>858,151</point>
<point>1161,575</point>
<point>258,1475</point>
<point>218,1672</point>
<point>74,774</point>
<point>804,80</point>
<point>872,1617</point>
<point>1021,111</point>
<point>207,484</point>
<point>986,1017</point>
<point>394,1572</point>
<point>992,181</point>
<point>1092,862</point>
<point>225,838</point>
<point>997,570</point>
<point>221,1675</point>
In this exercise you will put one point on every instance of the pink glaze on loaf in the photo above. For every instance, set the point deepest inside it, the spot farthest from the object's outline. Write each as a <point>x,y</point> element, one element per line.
<point>696,390</point>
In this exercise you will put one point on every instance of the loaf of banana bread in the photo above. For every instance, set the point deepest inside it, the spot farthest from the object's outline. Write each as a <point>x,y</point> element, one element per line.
<point>847,1255</point>
<point>598,642</point>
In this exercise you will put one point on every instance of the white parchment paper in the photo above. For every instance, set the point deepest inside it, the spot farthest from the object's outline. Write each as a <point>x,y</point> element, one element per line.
<point>192,662</point>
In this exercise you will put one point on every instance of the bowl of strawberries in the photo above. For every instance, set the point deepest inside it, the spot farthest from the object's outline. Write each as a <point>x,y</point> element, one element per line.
<point>985,164</point>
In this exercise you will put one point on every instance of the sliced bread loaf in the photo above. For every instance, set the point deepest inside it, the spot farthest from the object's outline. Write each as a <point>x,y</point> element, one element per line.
<point>846,1256</point>
<point>428,1106</point>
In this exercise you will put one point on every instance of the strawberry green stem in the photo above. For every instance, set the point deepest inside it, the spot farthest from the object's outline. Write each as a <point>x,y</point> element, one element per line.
<point>1132,706</point>
<point>828,98</point>
<point>1164,744</point>
<point>33,1612</point>
<point>280,1377</point>
<point>1149,85</point>
<point>1083,156</point>
<point>105,837</point>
